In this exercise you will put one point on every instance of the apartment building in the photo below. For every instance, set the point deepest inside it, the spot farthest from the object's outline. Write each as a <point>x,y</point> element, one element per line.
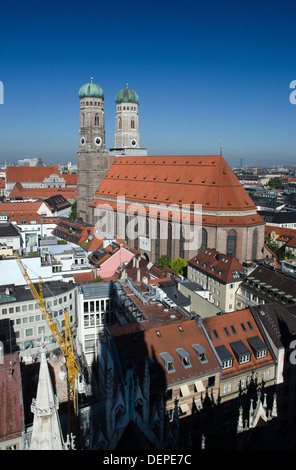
<point>22,322</point>
<point>220,274</point>
<point>248,365</point>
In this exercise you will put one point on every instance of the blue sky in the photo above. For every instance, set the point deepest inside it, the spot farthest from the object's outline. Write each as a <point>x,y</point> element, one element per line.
<point>206,72</point>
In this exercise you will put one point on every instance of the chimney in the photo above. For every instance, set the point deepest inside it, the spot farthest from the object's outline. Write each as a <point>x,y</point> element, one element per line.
<point>138,274</point>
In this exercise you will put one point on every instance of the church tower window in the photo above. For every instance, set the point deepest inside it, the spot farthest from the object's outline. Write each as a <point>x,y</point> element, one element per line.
<point>254,244</point>
<point>97,120</point>
<point>231,243</point>
<point>169,241</point>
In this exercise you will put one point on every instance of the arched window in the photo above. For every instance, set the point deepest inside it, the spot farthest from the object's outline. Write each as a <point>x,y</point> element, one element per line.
<point>119,123</point>
<point>147,227</point>
<point>136,236</point>
<point>82,120</point>
<point>204,240</point>
<point>132,123</point>
<point>126,227</point>
<point>157,241</point>
<point>254,244</point>
<point>169,240</point>
<point>181,243</point>
<point>97,120</point>
<point>231,243</point>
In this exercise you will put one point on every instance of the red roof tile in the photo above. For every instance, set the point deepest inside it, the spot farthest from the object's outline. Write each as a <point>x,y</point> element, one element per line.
<point>236,320</point>
<point>205,180</point>
<point>217,265</point>
<point>149,339</point>
<point>18,191</point>
<point>30,173</point>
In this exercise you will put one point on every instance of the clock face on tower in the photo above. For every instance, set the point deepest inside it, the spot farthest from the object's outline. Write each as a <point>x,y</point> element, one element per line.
<point>82,140</point>
<point>98,141</point>
<point>133,142</point>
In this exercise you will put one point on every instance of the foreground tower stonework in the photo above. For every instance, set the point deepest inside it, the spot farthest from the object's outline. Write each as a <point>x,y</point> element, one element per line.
<point>92,157</point>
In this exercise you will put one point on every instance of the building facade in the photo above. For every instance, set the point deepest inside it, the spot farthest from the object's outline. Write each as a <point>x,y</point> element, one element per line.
<point>144,192</point>
<point>22,318</point>
<point>220,274</point>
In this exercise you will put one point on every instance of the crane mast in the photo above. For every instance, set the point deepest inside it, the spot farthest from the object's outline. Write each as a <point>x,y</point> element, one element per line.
<point>65,344</point>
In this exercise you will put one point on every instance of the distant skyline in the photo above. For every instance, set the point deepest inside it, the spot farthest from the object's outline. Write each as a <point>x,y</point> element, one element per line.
<point>207,73</point>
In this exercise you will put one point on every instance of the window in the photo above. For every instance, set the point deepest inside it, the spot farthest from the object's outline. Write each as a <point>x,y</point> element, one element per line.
<point>168,362</point>
<point>254,244</point>
<point>184,357</point>
<point>211,381</point>
<point>157,241</point>
<point>227,364</point>
<point>29,332</point>
<point>233,329</point>
<point>201,352</point>
<point>97,120</point>
<point>226,331</point>
<point>132,123</point>
<point>119,123</point>
<point>245,358</point>
<point>181,243</point>
<point>169,241</point>
<point>231,243</point>
<point>204,240</point>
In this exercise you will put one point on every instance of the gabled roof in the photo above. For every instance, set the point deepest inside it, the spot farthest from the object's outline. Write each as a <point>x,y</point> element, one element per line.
<point>223,268</point>
<point>19,192</point>
<point>273,286</point>
<point>206,180</point>
<point>238,333</point>
<point>30,173</point>
<point>164,341</point>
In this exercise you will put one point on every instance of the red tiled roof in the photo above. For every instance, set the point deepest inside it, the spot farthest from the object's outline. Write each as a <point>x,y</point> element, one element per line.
<point>18,191</point>
<point>216,265</point>
<point>22,211</point>
<point>71,179</point>
<point>205,180</point>
<point>144,340</point>
<point>30,173</point>
<point>83,277</point>
<point>235,320</point>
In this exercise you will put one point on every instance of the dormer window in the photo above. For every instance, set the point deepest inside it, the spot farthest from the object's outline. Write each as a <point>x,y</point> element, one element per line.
<point>242,352</point>
<point>168,361</point>
<point>184,357</point>
<point>200,352</point>
<point>259,348</point>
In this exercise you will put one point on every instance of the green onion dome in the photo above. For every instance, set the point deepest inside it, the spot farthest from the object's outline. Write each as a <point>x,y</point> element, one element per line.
<point>91,90</point>
<point>127,96</point>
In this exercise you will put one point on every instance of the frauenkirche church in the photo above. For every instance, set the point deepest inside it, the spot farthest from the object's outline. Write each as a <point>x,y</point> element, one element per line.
<point>229,218</point>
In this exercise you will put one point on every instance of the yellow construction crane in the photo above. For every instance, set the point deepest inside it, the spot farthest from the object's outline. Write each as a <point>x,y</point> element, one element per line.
<point>65,344</point>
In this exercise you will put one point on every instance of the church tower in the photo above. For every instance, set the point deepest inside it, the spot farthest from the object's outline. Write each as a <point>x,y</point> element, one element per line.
<point>127,137</point>
<point>92,157</point>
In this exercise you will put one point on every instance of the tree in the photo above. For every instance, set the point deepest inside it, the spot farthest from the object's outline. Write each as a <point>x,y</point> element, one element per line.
<point>179,266</point>
<point>73,212</point>
<point>275,183</point>
<point>98,279</point>
<point>164,262</point>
